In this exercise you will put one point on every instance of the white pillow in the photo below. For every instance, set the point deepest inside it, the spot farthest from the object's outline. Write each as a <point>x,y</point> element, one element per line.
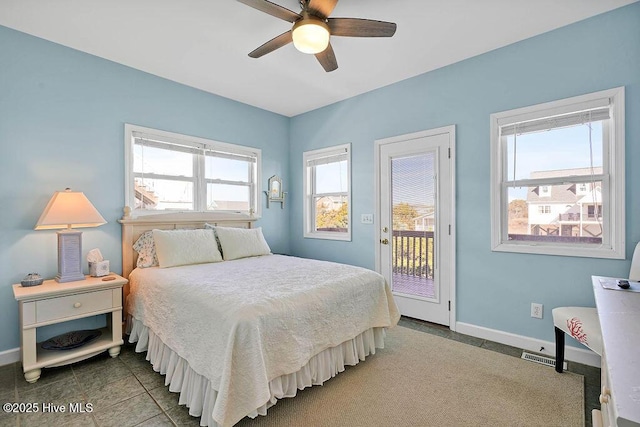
<point>242,242</point>
<point>183,247</point>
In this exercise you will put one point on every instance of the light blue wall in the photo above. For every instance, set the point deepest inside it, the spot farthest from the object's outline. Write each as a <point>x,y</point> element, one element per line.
<point>494,290</point>
<point>62,115</point>
<point>61,124</point>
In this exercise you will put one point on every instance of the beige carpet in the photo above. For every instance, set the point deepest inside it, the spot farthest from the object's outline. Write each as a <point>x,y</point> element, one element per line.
<point>419,379</point>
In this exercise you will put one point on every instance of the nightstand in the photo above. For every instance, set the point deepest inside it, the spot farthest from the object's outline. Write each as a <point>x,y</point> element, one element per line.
<point>54,302</point>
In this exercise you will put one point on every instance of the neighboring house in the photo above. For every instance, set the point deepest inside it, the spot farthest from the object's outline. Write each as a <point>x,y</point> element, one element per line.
<point>566,210</point>
<point>145,197</point>
<point>424,222</point>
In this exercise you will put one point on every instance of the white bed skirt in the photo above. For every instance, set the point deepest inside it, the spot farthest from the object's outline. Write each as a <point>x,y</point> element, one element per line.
<point>199,396</point>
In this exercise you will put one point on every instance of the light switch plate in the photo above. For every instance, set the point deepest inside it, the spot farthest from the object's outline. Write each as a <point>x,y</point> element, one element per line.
<point>366,218</point>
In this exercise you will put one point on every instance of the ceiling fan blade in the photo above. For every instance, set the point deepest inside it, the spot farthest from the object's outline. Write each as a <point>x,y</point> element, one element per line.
<point>327,59</point>
<point>273,44</point>
<point>356,27</point>
<point>272,9</point>
<point>321,8</point>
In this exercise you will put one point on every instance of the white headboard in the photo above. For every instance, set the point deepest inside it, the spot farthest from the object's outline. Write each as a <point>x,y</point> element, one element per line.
<point>132,228</point>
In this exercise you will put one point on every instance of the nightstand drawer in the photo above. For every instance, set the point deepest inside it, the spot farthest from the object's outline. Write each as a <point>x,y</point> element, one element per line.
<point>73,305</point>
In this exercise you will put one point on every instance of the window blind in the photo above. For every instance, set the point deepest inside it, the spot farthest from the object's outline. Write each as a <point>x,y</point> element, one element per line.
<point>556,122</point>
<point>329,157</point>
<point>231,156</point>
<point>167,146</point>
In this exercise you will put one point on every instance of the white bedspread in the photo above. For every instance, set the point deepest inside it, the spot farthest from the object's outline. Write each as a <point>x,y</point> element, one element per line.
<point>243,323</point>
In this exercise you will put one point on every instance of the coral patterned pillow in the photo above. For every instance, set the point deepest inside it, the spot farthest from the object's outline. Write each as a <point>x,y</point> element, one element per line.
<point>146,248</point>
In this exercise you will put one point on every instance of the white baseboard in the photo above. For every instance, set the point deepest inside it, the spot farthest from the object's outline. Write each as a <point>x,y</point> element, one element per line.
<point>574,354</point>
<point>8,357</point>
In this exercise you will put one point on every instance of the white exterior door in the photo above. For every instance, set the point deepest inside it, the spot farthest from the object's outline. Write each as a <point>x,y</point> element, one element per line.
<point>415,232</point>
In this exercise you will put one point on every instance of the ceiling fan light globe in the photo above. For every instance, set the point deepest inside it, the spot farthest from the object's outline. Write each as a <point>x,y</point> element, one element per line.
<point>310,36</point>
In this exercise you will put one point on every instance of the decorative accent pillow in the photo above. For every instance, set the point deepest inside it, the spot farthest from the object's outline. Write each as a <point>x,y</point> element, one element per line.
<point>146,248</point>
<point>242,242</point>
<point>184,247</point>
<point>213,227</point>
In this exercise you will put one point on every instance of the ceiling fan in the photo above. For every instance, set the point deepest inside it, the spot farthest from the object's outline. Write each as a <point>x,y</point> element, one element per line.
<point>312,29</point>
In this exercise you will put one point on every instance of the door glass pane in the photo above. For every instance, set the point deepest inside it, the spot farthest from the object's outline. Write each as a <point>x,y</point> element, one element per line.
<point>413,224</point>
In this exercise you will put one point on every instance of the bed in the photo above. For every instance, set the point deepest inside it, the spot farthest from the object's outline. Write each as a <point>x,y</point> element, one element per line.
<point>236,334</point>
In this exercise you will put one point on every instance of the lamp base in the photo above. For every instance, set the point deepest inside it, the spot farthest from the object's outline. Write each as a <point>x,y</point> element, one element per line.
<point>69,256</point>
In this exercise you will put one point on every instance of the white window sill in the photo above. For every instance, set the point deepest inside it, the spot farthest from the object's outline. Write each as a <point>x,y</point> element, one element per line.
<point>345,237</point>
<point>574,251</point>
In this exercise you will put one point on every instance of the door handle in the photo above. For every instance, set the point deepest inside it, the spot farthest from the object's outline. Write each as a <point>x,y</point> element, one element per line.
<point>384,241</point>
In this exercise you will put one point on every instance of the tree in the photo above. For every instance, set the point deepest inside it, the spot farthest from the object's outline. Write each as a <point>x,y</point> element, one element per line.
<point>403,216</point>
<point>329,218</point>
<point>518,209</point>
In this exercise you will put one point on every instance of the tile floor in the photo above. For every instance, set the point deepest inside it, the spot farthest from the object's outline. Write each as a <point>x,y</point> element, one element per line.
<point>125,391</point>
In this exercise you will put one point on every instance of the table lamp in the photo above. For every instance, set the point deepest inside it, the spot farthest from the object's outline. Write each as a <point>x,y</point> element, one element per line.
<point>68,210</point>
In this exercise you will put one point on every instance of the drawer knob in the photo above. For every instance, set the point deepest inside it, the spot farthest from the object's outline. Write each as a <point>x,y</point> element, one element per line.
<point>77,305</point>
<point>604,399</point>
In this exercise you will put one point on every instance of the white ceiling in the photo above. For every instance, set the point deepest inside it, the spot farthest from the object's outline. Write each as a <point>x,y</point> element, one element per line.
<point>204,44</point>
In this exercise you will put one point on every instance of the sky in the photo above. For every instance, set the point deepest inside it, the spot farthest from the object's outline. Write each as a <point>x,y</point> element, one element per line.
<point>332,178</point>
<point>564,148</point>
<point>181,164</point>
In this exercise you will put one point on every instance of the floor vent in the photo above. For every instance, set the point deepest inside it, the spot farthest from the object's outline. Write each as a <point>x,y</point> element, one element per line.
<point>543,360</point>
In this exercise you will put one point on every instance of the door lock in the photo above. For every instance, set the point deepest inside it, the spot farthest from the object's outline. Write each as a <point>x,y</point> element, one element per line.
<point>385,229</point>
<point>384,241</point>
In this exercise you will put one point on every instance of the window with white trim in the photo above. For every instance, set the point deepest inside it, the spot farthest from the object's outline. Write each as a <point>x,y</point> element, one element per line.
<point>544,209</point>
<point>545,191</point>
<point>327,186</point>
<point>582,188</point>
<point>565,160</point>
<point>171,172</point>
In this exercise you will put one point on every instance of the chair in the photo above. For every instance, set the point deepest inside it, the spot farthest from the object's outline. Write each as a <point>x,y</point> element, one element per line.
<point>582,323</point>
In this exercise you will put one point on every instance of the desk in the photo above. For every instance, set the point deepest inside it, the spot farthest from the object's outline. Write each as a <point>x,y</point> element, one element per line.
<point>619,313</point>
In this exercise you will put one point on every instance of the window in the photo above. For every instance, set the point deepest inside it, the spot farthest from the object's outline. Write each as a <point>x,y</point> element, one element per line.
<point>544,209</point>
<point>545,191</point>
<point>327,184</point>
<point>172,172</point>
<point>565,160</point>
<point>582,188</point>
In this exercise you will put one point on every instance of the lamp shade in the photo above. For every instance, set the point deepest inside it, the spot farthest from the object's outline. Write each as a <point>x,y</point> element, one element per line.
<point>69,209</point>
<point>310,35</point>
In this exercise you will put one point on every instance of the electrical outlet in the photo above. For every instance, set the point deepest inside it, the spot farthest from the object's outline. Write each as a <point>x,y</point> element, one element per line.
<point>536,310</point>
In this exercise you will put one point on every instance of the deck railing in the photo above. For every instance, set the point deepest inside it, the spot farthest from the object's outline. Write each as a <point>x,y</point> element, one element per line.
<point>555,238</point>
<point>413,253</point>
<point>574,216</point>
